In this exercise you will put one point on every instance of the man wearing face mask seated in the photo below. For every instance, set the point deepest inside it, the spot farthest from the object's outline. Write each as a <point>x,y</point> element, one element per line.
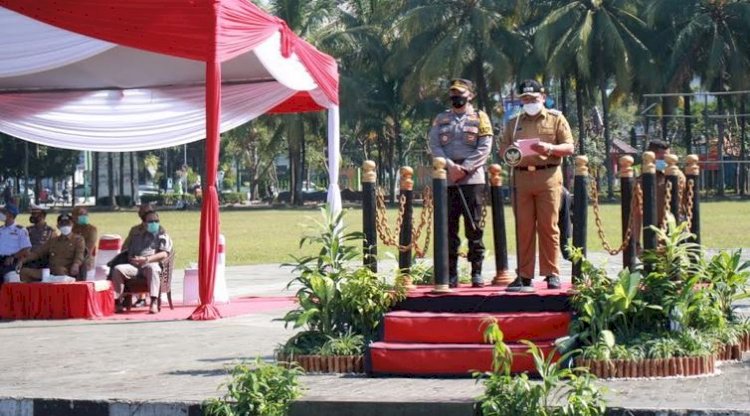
<point>14,243</point>
<point>83,227</point>
<point>64,253</point>
<point>146,248</point>
<point>39,233</point>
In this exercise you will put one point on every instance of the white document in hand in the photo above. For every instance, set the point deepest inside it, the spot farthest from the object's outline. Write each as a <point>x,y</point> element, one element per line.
<point>525,146</point>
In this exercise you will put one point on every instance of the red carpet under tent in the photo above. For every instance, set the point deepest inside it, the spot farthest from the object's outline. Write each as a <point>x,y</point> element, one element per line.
<point>443,334</point>
<point>122,76</point>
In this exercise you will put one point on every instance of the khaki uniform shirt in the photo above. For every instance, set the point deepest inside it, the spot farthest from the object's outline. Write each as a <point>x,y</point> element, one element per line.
<point>464,139</point>
<point>89,234</point>
<point>39,235</point>
<point>63,252</point>
<point>143,243</point>
<point>548,126</point>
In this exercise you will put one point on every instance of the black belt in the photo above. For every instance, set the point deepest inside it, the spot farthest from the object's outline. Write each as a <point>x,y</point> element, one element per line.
<point>458,161</point>
<point>533,168</point>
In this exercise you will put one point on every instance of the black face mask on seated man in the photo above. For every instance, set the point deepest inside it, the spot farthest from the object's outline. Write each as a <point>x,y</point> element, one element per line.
<point>458,101</point>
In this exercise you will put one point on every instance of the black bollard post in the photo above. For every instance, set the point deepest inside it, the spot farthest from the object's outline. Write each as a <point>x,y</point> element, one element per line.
<point>440,212</point>
<point>672,172</point>
<point>502,276</point>
<point>692,176</point>
<point>580,210</point>
<point>404,256</point>
<point>648,184</point>
<point>627,182</point>
<point>369,212</point>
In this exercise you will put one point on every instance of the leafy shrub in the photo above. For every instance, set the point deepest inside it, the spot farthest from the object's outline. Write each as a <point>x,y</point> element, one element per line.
<point>562,390</point>
<point>232,197</point>
<point>260,389</point>
<point>336,301</point>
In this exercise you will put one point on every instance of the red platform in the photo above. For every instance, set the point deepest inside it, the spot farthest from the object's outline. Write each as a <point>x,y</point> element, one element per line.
<point>78,300</point>
<point>468,328</point>
<point>452,360</point>
<point>430,334</point>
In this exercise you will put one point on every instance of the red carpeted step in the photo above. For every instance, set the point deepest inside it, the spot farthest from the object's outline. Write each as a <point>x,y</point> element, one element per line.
<point>445,359</point>
<point>468,328</point>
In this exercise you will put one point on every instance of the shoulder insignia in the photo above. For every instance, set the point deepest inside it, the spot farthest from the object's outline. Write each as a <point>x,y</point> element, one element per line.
<point>20,227</point>
<point>555,112</point>
<point>485,128</point>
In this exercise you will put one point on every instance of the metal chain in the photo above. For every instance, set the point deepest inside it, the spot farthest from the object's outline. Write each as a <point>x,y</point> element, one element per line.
<point>381,219</point>
<point>667,203</point>
<point>635,204</point>
<point>387,235</point>
<point>689,203</point>
<point>425,221</point>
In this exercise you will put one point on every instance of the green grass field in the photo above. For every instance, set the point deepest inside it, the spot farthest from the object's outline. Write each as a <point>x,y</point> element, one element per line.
<point>270,236</point>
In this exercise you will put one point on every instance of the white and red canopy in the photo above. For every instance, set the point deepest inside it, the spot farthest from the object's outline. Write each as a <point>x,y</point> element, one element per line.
<point>144,74</point>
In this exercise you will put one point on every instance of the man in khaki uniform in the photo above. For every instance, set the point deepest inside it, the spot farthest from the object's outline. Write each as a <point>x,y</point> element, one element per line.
<point>64,253</point>
<point>538,185</point>
<point>39,233</point>
<point>463,136</point>
<point>146,248</point>
<point>39,230</point>
<point>82,227</point>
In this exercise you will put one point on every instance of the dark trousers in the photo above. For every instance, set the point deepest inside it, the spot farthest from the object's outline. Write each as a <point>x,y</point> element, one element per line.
<point>474,195</point>
<point>5,269</point>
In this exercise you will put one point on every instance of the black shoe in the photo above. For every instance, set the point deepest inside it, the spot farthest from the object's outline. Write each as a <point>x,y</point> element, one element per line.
<point>453,282</point>
<point>521,284</point>
<point>553,282</point>
<point>476,281</point>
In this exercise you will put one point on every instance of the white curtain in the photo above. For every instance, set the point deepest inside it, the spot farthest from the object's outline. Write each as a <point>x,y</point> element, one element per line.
<point>44,46</point>
<point>130,120</point>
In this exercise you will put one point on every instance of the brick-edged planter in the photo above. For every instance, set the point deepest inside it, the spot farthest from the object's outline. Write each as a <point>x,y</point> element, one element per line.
<point>676,366</point>
<point>327,363</point>
<point>745,342</point>
<point>730,352</point>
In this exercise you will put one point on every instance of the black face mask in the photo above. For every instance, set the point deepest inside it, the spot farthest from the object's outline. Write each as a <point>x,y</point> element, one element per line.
<point>458,101</point>
<point>33,220</point>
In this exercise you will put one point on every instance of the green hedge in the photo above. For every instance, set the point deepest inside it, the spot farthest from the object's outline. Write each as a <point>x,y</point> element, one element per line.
<point>232,197</point>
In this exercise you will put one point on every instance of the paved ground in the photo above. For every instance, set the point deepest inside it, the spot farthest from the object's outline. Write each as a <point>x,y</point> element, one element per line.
<point>185,361</point>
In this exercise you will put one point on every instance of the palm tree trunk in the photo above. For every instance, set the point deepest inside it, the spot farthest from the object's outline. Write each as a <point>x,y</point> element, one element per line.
<point>564,108</point>
<point>688,121</point>
<point>665,111</point>
<point>95,179</point>
<point>720,144</point>
<point>607,140</point>
<point>579,111</point>
<point>111,179</point>
<point>296,138</point>
<point>122,174</point>
<point>743,150</point>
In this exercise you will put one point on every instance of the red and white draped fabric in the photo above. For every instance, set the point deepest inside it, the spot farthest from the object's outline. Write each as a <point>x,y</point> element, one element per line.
<point>144,74</point>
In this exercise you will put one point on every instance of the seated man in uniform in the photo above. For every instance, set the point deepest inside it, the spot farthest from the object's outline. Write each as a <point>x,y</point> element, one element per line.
<point>146,248</point>
<point>39,233</point>
<point>64,253</point>
<point>82,227</point>
<point>14,242</point>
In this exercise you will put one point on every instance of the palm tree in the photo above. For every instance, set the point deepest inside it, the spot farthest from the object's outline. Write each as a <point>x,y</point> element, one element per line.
<point>474,39</point>
<point>710,40</point>
<point>597,41</point>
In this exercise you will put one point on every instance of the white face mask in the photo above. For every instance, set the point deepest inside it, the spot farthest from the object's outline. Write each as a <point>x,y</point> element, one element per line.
<point>533,109</point>
<point>65,230</point>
